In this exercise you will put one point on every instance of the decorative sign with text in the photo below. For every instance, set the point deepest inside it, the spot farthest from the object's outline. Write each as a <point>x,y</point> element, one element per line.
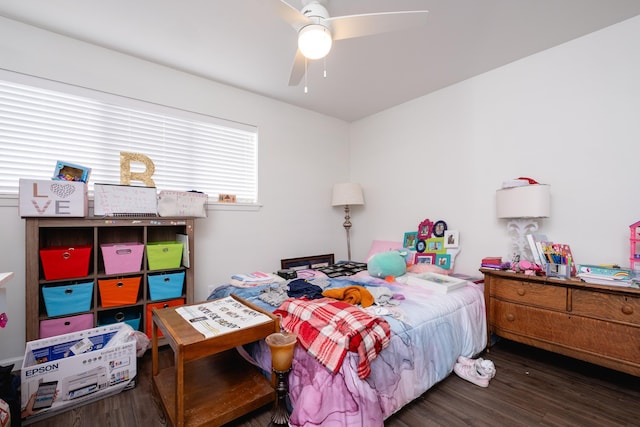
<point>41,197</point>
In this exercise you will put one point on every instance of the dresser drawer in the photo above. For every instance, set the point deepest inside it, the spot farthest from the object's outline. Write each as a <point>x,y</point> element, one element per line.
<point>572,333</point>
<point>621,308</point>
<point>545,296</point>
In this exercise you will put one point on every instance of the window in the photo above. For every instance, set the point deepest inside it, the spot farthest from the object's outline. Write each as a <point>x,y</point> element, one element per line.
<point>40,126</point>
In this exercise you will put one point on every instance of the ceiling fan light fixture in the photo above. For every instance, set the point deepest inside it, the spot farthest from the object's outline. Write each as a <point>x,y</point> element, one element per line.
<point>314,41</point>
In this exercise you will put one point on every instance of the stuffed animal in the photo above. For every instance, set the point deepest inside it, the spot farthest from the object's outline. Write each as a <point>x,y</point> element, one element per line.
<point>385,264</point>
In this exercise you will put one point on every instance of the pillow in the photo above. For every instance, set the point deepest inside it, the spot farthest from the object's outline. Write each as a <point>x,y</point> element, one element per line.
<point>427,268</point>
<point>378,246</point>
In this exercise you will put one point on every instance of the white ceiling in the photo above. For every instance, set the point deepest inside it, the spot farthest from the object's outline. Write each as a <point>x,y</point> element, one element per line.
<point>244,43</point>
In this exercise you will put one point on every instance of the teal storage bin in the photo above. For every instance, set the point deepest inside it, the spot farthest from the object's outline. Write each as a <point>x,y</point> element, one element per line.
<point>165,286</point>
<point>129,316</point>
<point>67,298</point>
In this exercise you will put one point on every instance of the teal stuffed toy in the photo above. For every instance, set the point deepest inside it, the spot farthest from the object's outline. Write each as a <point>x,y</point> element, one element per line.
<point>384,264</point>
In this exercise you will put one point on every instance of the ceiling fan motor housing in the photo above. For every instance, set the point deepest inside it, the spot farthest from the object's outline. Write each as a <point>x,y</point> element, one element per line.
<point>317,12</point>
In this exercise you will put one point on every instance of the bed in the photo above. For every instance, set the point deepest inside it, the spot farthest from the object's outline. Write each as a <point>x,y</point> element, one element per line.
<point>428,332</point>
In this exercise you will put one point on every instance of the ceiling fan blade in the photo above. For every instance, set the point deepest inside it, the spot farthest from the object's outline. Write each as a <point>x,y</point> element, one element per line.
<point>290,14</point>
<point>350,26</point>
<point>297,69</point>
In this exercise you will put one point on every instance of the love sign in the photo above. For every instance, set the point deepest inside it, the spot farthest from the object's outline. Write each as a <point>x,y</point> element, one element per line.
<point>39,197</point>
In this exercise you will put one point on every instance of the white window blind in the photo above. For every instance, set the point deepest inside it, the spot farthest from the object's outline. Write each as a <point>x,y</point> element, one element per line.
<point>39,126</point>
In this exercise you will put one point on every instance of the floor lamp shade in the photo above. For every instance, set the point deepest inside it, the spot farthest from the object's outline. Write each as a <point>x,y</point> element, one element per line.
<point>528,201</point>
<point>348,193</point>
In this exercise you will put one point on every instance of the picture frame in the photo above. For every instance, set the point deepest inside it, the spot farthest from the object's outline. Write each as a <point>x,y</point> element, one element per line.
<point>451,239</point>
<point>410,240</point>
<point>439,228</point>
<point>424,258</point>
<point>66,171</point>
<point>443,261</point>
<point>425,228</point>
<point>439,283</point>
<point>435,244</point>
<point>307,262</point>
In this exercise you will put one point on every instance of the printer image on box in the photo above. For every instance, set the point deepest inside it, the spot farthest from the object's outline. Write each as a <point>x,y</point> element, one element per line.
<point>83,367</point>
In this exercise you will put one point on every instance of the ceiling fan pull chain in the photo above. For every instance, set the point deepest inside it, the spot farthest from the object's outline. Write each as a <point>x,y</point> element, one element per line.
<point>306,89</point>
<point>324,60</point>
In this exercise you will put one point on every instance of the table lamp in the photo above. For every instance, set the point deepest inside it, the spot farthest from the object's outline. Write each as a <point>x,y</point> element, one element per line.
<point>282,345</point>
<point>347,194</point>
<point>523,206</point>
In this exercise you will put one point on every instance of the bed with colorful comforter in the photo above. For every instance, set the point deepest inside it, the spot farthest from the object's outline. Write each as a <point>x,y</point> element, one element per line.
<point>392,352</point>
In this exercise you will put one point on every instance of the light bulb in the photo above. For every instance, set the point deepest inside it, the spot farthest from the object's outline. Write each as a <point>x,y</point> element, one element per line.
<point>314,41</point>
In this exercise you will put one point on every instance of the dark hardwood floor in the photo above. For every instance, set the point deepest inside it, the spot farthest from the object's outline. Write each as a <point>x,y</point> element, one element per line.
<point>531,388</point>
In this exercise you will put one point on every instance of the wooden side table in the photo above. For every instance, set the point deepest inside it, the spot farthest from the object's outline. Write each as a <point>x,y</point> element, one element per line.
<point>209,382</point>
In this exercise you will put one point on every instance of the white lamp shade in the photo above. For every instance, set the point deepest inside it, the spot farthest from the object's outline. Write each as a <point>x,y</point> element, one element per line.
<point>314,41</point>
<point>528,201</point>
<point>348,193</point>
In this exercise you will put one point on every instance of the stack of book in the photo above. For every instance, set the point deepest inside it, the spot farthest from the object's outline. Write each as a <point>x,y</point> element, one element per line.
<point>494,263</point>
<point>605,275</point>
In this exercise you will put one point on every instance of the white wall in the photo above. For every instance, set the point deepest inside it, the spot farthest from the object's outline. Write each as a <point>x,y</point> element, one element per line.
<point>567,117</point>
<point>301,154</point>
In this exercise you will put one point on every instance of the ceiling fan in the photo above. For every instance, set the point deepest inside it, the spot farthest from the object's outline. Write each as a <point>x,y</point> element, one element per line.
<point>317,30</point>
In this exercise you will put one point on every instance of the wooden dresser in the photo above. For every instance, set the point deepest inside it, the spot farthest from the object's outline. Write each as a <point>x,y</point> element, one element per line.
<point>595,323</point>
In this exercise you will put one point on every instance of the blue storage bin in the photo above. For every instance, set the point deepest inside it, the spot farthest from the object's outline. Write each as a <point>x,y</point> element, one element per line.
<point>67,298</point>
<point>129,316</point>
<point>165,286</point>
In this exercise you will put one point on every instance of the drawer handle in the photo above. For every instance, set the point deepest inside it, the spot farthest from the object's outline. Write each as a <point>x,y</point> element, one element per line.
<point>521,292</point>
<point>627,309</point>
<point>119,317</point>
<point>119,284</point>
<point>511,317</point>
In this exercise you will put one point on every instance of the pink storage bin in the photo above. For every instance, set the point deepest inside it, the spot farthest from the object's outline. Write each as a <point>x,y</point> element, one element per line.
<point>65,325</point>
<point>122,257</point>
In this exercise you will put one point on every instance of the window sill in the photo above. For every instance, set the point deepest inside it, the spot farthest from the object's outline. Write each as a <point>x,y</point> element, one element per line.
<point>12,200</point>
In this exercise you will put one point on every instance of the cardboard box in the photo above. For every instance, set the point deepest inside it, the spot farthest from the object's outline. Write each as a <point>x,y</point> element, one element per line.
<point>45,198</point>
<point>67,371</point>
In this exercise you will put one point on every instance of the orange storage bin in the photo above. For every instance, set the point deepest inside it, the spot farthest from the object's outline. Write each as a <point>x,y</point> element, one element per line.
<point>116,292</point>
<point>164,304</point>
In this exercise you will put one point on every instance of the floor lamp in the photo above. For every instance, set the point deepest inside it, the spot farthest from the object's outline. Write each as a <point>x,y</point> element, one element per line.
<point>347,194</point>
<point>523,206</point>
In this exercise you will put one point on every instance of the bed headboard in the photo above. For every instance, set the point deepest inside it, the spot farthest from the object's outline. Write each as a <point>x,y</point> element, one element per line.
<point>307,262</point>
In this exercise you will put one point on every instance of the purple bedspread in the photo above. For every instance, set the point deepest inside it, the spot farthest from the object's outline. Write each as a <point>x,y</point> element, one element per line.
<point>428,333</point>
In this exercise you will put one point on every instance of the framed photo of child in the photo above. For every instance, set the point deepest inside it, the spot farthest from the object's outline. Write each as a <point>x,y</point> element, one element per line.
<point>451,239</point>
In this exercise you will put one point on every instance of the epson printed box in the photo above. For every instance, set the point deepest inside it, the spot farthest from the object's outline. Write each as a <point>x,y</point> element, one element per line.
<point>66,371</point>
<point>41,197</point>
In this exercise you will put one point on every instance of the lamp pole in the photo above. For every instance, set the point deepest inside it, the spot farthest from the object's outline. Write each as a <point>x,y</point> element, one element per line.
<point>347,227</point>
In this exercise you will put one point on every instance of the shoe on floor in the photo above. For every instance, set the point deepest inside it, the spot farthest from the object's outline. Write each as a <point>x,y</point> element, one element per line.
<point>484,366</point>
<point>469,373</point>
